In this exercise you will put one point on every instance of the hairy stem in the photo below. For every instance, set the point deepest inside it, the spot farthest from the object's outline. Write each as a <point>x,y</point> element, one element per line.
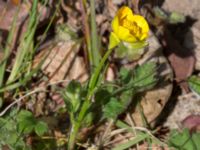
<point>87,103</point>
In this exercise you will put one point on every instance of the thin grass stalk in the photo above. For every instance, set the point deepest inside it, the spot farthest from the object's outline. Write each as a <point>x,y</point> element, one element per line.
<point>7,52</point>
<point>24,45</point>
<point>94,40</point>
<point>12,86</point>
<point>7,49</point>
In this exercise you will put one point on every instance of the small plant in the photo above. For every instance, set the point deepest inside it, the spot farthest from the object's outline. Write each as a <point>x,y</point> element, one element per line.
<point>107,101</point>
<point>184,140</point>
<point>88,105</point>
<point>16,125</point>
<point>15,75</point>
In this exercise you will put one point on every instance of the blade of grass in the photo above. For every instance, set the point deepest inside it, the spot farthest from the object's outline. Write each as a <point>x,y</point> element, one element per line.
<point>141,136</point>
<point>33,71</point>
<point>7,49</point>
<point>121,124</point>
<point>7,52</point>
<point>26,42</point>
<point>94,40</point>
<point>15,85</point>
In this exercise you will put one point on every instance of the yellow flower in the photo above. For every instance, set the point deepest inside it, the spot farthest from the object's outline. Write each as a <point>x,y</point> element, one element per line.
<point>129,27</point>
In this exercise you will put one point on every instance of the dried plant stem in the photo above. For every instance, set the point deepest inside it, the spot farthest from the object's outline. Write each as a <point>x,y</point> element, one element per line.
<point>40,89</point>
<point>18,100</point>
<point>106,133</point>
<point>86,30</point>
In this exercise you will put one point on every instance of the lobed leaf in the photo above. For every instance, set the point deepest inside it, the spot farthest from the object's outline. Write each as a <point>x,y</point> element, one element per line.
<point>113,108</point>
<point>40,128</point>
<point>194,83</point>
<point>144,75</point>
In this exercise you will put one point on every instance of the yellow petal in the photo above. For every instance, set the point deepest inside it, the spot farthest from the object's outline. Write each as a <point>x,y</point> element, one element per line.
<point>141,22</point>
<point>123,12</point>
<point>124,35</point>
<point>144,36</point>
<point>115,24</point>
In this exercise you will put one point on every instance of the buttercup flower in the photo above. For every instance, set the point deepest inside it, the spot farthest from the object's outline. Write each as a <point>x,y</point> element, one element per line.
<point>128,27</point>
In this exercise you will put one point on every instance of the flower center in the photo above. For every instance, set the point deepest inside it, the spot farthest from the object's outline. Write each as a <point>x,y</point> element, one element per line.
<point>131,26</point>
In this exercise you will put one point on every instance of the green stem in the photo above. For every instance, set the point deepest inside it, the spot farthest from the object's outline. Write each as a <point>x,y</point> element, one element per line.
<point>86,105</point>
<point>95,76</point>
<point>72,137</point>
<point>7,52</point>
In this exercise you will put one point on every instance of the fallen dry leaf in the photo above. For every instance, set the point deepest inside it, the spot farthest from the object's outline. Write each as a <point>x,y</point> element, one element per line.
<point>192,122</point>
<point>61,65</point>
<point>192,41</point>
<point>181,59</point>
<point>8,14</point>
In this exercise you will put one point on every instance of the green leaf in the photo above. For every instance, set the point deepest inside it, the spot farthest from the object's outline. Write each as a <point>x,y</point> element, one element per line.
<point>102,96</point>
<point>113,108</point>
<point>121,50</point>
<point>26,121</point>
<point>26,126</point>
<point>125,75</point>
<point>194,83</point>
<point>126,98</point>
<point>41,128</point>
<point>182,140</point>
<point>196,139</point>
<point>9,134</point>
<point>24,114</point>
<point>176,17</point>
<point>144,76</point>
<point>113,40</point>
<point>73,89</point>
<point>72,96</point>
<point>131,51</point>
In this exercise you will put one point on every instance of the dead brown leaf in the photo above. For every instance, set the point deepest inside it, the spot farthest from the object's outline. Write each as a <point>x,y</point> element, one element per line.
<point>181,59</point>
<point>61,65</point>
<point>192,122</point>
<point>9,12</point>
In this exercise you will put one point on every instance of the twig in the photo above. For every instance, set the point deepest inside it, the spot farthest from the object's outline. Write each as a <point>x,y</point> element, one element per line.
<point>18,100</point>
<point>28,94</point>
<point>106,133</point>
<point>132,125</point>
